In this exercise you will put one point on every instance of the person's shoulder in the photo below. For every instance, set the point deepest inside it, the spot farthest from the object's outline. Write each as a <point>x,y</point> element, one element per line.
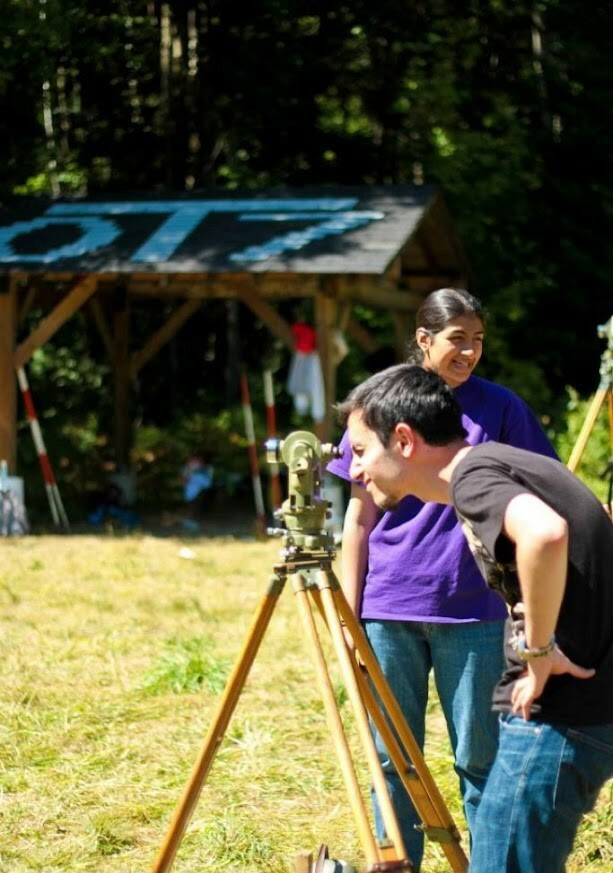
<point>488,453</point>
<point>496,449</point>
<point>493,390</point>
<point>486,465</point>
<point>498,399</point>
<point>509,459</point>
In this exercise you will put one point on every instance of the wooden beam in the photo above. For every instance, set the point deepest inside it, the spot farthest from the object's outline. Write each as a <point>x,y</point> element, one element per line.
<point>268,314</point>
<point>373,290</point>
<point>326,311</point>
<point>270,287</point>
<point>64,277</point>
<point>165,333</point>
<point>362,337</point>
<point>280,286</point>
<point>421,286</point>
<point>344,316</point>
<point>394,271</point>
<point>122,425</point>
<point>378,293</point>
<point>426,249</point>
<point>439,278</point>
<point>185,291</point>
<point>26,305</point>
<point>75,298</point>
<point>8,392</point>
<point>103,328</point>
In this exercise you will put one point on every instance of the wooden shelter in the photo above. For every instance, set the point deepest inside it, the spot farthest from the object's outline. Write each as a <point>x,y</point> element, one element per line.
<point>384,247</point>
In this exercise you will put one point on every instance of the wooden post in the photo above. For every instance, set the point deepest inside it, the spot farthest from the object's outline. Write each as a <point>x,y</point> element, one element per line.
<point>8,388</point>
<point>326,308</point>
<point>122,424</point>
<point>232,372</point>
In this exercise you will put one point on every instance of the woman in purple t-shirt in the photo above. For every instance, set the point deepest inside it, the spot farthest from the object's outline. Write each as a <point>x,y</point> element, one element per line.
<point>410,576</point>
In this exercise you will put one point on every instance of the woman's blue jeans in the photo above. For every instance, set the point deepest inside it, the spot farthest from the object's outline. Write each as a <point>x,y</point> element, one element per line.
<point>467,660</point>
<point>544,779</point>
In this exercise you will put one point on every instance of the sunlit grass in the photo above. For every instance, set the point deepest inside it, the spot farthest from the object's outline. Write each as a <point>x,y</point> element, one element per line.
<point>114,652</point>
<point>187,665</point>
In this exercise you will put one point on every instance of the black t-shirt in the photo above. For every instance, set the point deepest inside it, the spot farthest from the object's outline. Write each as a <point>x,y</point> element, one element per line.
<point>482,486</point>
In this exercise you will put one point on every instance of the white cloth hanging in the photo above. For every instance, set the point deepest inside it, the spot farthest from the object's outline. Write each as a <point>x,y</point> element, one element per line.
<point>305,382</point>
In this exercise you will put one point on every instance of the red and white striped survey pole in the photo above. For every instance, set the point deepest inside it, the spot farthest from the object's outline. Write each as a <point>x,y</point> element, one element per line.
<point>53,494</point>
<point>271,427</point>
<point>253,456</point>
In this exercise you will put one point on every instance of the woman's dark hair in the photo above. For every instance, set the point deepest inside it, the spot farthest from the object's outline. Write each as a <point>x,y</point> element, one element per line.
<point>438,309</point>
<point>406,393</point>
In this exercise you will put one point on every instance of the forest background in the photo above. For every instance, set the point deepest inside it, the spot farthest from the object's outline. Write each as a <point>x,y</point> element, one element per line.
<point>503,105</point>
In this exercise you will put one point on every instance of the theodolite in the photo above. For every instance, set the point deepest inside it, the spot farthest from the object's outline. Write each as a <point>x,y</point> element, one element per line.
<point>307,555</point>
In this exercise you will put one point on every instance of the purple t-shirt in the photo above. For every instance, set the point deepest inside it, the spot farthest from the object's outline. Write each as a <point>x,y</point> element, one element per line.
<point>419,565</point>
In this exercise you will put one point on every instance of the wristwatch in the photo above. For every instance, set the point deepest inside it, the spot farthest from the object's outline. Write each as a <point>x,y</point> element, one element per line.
<point>518,644</point>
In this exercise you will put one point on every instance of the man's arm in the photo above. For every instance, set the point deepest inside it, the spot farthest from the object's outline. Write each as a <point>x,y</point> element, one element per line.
<point>541,550</point>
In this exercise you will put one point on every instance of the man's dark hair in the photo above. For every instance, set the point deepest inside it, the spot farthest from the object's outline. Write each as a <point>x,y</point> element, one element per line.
<point>406,393</point>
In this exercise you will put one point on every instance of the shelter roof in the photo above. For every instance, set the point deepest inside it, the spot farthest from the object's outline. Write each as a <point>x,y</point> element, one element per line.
<point>332,230</point>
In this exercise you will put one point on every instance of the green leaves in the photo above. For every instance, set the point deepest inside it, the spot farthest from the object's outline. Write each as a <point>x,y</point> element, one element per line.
<point>187,665</point>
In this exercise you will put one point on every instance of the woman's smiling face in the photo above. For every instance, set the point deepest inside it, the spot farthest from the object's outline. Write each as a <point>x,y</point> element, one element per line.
<point>454,351</point>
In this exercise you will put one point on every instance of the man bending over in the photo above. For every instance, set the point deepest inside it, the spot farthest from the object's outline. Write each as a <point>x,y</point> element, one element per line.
<point>545,543</point>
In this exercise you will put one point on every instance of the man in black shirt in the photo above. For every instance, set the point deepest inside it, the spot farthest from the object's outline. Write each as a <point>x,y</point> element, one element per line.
<point>544,542</point>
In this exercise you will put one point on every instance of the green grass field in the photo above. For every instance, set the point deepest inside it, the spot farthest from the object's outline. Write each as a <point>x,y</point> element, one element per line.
<point>114,653</point>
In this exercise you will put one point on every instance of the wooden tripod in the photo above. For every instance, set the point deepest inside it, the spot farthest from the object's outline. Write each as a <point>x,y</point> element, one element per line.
<point>312,578</point>
<point>604,392</point>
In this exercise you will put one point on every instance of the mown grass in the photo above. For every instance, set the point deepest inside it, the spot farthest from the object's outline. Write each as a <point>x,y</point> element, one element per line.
<point>114,651</point>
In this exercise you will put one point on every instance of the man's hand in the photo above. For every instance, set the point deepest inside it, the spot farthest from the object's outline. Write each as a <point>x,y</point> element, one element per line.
<point>531,683</point>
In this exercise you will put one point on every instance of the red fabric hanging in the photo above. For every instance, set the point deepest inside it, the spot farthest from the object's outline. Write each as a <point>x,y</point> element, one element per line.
<point>305,337</point>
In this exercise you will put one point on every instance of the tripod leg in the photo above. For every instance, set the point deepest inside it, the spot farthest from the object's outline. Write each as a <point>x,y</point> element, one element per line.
<point>324,596</point>
<point>586,429</point>
<point>335,723</point>
<point>226,707</point>
<point>611,419</point>
<point>423,790</point>
<point>404,769</point>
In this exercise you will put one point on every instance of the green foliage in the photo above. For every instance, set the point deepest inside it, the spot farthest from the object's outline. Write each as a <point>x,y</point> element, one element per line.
<point>160,453</point>
<point>596,457</point>
<point>235,847</point>
<point>188,665</point>
<point>72,180</point>
<point>340,693</point>
<point>70,391</point>
<point>111,839</point>
<point>499,104</point>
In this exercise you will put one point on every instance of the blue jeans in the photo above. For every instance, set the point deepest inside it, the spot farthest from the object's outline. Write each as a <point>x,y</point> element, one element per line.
<point>544,779</point>
<point>467,660</point>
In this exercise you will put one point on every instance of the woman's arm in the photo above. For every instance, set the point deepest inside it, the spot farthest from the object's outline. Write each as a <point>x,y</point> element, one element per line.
<point>360,518</point>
